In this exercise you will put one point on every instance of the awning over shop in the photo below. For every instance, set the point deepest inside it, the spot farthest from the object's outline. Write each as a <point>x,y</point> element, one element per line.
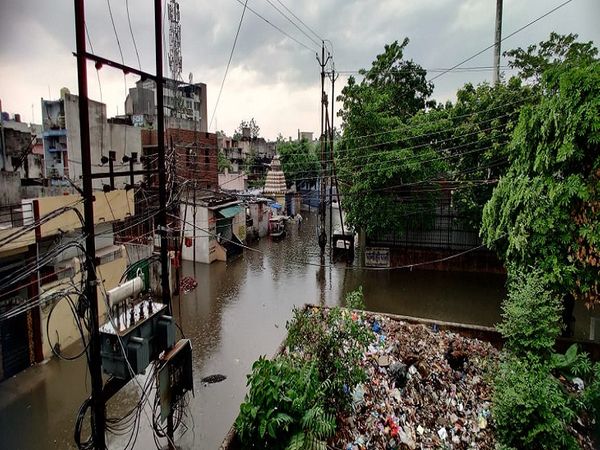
<point>230,211</point>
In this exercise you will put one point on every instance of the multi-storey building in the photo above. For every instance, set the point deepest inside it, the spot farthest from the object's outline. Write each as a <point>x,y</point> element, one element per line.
<point>62,145</point>
<point>185,105</point>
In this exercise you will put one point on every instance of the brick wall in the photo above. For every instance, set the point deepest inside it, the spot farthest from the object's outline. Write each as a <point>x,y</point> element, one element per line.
<point>195,155</point>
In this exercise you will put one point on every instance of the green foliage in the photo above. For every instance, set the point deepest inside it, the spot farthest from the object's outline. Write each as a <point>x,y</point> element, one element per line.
<point>529,407</point>
<point>572,363</point>
<point>299,160</point>
<point>224,163</point>
<point>545,211</point>
<point>375,155</point>
<point>532,317</point>
<point>355,299</point>
<point>591,395</point>
<point>335,343</point>
<point>480,126</point>
<point>254,129</point>
<point>557,50</point>
<point>284,407</point>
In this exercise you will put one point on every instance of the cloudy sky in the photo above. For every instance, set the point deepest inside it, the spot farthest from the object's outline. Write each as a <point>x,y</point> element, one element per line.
<point>272,77</point>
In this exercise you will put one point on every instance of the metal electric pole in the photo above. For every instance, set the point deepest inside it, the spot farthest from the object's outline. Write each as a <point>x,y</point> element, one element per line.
<point>95,366</point>
<point>162,172</point>
<point>497,41</point>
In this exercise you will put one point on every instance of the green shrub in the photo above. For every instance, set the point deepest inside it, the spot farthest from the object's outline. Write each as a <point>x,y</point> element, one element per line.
<point>335,342</point>
<point>284,408</point>
<point>355,299</point>
<point>530,408</point>
<point>591,394</point>
<point>532,317</point>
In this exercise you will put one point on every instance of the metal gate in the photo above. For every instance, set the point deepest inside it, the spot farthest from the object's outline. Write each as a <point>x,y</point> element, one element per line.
<point>15,345</point>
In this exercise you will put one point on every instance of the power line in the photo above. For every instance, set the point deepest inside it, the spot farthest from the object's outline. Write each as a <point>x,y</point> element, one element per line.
<point>503,39</point>
<point>237,33</point>
<point>132,35</point>
<point>112,20</point>
<point>293,23</point>
<point>277,28</point>
<point>300,20</point>
<point>434,70</point>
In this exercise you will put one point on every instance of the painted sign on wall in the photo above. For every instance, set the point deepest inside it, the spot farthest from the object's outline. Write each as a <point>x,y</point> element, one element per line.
<point>377,257</point>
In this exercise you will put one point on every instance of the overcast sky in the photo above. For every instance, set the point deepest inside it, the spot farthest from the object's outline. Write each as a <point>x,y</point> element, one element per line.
<point>272,78</point>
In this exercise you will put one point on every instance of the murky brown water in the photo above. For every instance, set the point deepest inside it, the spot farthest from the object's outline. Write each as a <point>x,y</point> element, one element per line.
<point>237,313</point>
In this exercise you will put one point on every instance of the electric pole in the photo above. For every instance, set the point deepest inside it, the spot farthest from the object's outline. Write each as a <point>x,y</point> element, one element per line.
<point>322,185</point>
<point>497,39</point>
<point>97,399</point>
<point>331,173</point>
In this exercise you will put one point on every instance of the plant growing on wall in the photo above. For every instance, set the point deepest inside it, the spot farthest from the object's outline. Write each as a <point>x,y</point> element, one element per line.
<point>335,342</point>
<point>284,407</point>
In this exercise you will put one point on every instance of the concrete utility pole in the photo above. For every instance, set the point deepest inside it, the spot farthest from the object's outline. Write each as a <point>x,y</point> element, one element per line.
<point>497,39</point>
<point>322,184</point>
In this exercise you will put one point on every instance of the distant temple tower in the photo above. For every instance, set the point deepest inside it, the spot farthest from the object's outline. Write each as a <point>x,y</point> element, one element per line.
<point>275,182</point>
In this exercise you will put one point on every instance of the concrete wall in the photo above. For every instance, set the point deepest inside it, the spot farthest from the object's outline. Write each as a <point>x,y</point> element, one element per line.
<point>204,243</point>
<point>260,214</point>
<point>203,238</point>
<point>62,326</point>
<point>104,137</point>
<point>239,225</point>
<point>108,207</point>
<point>232,181</point>
<point>10,188</point>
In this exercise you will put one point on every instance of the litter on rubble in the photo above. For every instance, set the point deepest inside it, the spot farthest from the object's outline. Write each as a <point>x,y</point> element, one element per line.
<point>427,388</point>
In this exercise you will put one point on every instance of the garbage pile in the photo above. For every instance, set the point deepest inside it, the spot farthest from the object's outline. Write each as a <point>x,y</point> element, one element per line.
<point>187,285</point>
<point>426,389</point>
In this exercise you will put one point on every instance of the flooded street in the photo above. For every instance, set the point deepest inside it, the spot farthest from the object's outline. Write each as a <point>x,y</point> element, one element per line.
<point>237,313</point>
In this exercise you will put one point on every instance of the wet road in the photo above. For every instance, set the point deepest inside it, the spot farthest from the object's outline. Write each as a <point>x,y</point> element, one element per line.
<point>237,313</point>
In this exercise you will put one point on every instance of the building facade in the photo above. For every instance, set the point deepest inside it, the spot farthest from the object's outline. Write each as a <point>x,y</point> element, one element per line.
<point>62,142</point>
<point>29,332</point>
<point>185,105</point>
<point>194,155</point>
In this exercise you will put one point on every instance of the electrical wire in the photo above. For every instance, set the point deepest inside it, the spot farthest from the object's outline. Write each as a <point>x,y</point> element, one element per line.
<point>300,20</point>
<point>317,43</point>
<point>278,28</point>
<point>132,35</point>
<point>502,40</point>
<point>112,20</point>
<point>237,33</point>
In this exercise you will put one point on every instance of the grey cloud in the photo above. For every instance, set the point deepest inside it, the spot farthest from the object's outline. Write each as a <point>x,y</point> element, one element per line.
<point>442,32</point>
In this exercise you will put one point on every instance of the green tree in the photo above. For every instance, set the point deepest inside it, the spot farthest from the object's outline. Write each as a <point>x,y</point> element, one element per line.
<point>545,212</point>
<point>481,123</point>
<point>376,160</point>
<point>299,161</point>
<point>254,129</point>
<point>557,50</point>
<point>224,163</point>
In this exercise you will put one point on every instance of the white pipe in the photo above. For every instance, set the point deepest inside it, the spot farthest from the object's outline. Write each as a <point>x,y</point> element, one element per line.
<point>126,290</point>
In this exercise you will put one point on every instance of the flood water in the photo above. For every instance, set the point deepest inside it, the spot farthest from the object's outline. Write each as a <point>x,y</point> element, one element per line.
<point>237,313</point>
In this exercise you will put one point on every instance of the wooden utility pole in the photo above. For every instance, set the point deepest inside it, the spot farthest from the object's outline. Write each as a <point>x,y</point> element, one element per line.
<point>497,41</point>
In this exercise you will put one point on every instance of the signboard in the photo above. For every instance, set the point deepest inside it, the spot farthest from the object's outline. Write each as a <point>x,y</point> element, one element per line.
<point>377,257</point>
<point>175,377</point>
<point>138,120</point>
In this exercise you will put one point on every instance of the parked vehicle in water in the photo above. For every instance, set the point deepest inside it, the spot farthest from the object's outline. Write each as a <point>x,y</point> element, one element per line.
<point>277,227</point>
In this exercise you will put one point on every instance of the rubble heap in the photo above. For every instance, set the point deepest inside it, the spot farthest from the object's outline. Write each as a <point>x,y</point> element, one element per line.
<point>426,389</point>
